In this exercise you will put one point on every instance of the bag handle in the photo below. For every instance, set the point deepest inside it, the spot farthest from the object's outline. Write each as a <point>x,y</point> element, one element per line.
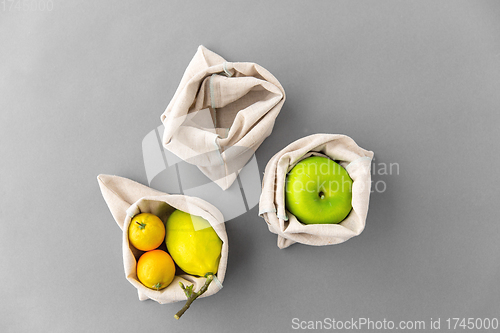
<point>120,193</point>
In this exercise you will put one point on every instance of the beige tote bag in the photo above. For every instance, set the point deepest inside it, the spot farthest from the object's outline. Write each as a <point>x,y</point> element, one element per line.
<point>348,154</point>
<point>220,114</point>
<point>126,198</point>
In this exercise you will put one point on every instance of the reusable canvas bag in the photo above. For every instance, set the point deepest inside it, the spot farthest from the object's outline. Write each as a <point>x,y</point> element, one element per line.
<point>126,198</point>
<point>220,114</point>
<point>339,148</point>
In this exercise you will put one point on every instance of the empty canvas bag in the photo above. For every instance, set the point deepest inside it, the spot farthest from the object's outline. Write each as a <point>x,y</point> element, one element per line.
<point>126,198</point>
<point>339,148</point>
<point>220,114</point>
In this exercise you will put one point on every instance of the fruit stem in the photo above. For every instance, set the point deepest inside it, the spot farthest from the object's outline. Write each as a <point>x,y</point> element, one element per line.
<point>141,225</point>
<point>193,295</point>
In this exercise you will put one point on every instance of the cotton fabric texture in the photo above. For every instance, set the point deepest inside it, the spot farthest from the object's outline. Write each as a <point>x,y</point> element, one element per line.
<point>343,150</point>
<point>126,198</point>
<point>220,114</point>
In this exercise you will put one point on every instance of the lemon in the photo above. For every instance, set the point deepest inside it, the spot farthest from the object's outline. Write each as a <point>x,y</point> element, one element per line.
<point>193,243</point>
<point>146,232</point>
<point>155,269</point>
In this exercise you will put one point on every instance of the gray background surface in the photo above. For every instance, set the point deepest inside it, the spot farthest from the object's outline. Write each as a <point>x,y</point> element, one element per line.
<point>417,82</point>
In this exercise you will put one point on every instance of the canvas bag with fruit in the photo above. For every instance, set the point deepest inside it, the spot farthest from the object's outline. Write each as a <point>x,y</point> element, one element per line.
<point>127,199</point>
<point>275,204</point>
<point>220,114</point>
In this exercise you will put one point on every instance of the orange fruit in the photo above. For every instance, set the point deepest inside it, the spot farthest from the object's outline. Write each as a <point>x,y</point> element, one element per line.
<point>155,269</point>
<point>146,232</point>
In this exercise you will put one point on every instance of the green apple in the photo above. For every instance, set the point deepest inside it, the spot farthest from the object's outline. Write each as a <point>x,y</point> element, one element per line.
<point>318,191</point>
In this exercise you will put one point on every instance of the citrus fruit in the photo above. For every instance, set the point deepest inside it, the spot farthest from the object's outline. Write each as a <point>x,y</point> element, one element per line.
<point>193,243</point>
<point>155,269</point>
<point>146,232</point>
